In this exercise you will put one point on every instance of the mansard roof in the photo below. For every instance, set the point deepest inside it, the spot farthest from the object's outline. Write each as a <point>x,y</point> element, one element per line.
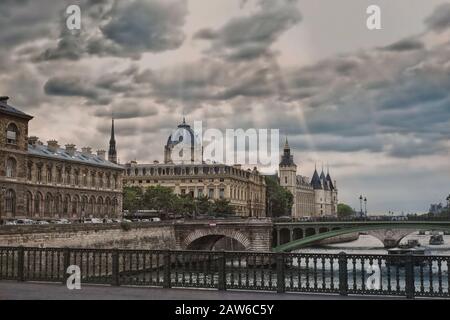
<point>5,108</point>
<point>61,154</point>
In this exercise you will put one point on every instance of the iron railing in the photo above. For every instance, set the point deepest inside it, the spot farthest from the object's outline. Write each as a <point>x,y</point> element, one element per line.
<point>359,274</point>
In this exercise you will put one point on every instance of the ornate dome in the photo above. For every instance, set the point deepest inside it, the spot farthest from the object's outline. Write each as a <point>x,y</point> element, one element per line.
<point>183,145</point>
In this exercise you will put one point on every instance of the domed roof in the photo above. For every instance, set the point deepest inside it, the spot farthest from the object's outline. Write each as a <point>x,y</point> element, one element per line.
<point>185,133</point>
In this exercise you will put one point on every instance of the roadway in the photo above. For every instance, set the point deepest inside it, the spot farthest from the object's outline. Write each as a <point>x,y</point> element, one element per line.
<point>13,290</point>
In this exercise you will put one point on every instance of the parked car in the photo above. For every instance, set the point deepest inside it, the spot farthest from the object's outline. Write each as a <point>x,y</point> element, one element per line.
<point>62,221</point>
<point>10,223</point>
<point>117,220</point>
<point>41,222</point>
<point>92,220</point>
<point>126,220</point>
<point>107,220</point>
<point>24,221</point>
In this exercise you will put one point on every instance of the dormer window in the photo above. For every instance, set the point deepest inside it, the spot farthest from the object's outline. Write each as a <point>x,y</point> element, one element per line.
<point>11,134</point>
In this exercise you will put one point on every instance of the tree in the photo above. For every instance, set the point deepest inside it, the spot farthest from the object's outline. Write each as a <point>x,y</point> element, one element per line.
<point>222,207</point>
<point>203,205</point>
<point>184,204</point>
<point>133,199</point>
<point>344,210</point>
<point>159,198</point>
<point>279,200</point>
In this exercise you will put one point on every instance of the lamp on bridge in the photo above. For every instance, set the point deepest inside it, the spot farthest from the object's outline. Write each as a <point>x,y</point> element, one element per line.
<point>365,206</point>
<point>360,205</point>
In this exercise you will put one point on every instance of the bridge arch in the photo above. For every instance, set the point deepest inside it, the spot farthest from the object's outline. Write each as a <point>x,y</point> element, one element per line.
<point>298,233</point>
<point>373,229</point>
<point>207,239</point>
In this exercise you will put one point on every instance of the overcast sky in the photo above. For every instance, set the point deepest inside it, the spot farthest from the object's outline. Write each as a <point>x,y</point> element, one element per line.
<point>375,105</point>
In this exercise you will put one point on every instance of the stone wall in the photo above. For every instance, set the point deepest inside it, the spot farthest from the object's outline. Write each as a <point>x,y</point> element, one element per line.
<point>140,236</point>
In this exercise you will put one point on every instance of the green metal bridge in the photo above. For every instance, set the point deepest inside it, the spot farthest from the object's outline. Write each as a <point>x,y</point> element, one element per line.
<point>289,236</point>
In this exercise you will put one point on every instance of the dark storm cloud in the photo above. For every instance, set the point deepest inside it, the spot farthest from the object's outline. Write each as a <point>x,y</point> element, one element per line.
<point>250,37</point>
<point>69,87</point>
<point>405,45</point>
<point>148,25</point>
<point>122,29</point>
<point>440,19</point>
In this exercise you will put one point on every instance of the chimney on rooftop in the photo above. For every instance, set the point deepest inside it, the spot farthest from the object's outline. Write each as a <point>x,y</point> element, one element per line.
<point>86,151</point>
<point>101,154</point>
<point>70,149</point>
<point>52,145</point>
<point>33,140</point>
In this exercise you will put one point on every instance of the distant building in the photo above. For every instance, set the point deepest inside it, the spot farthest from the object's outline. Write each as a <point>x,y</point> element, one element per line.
<point>189,174</point>
<point>48,181</point>
<point>314,198</point>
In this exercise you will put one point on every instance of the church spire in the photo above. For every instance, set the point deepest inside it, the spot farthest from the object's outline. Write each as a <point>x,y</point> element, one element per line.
<point>112,153</point>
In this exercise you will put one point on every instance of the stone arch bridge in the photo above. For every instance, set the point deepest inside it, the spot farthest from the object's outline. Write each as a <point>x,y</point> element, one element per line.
<point>263,235</point>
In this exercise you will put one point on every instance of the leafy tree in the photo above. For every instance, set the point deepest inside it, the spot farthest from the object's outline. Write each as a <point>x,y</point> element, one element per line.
<point>159,198</point>
<point>203,205</point>
<point>344,210</point>
<point>279,200</point>
<point>184,205</point>
<point>133,199</point>
<point>222,207</point>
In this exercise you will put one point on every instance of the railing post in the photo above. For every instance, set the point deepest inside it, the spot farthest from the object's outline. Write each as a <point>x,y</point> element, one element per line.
<point>222,284</point>
<point>409,277</point>
<point>20,263</point>
<point>281,285</point>
<point>115,268</point>
<point>66,263</point>
<point>343,275</point>
<point>167,269</point>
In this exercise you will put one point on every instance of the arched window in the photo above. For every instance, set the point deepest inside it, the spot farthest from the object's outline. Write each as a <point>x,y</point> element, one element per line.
<point>29,204</point>
<point>58,201</point>
<point>75,201</point>
<point>66,205</point>
<point>49,174</point>
<point>48,204</point>
<point>37,203</point>
<point>10,202</point>
<point>11,167</point>
<point>12,134</point>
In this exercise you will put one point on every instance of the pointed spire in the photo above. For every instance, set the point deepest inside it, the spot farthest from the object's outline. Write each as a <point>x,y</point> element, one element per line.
<point>286,144</point>
<point>184,120</point>
<point>112,153</point>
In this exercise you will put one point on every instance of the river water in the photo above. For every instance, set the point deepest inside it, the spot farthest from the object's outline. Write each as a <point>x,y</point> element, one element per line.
<point>370,245</point>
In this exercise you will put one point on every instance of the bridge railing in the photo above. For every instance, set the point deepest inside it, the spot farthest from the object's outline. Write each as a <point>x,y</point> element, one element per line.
<point>399,275</point>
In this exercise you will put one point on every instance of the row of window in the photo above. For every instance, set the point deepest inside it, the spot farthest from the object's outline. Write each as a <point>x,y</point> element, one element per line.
<point>62,206</point>
<point>186,171</point>
<point>85,179</point>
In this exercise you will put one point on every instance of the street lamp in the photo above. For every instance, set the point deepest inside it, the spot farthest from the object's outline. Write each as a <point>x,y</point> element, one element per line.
<point>365,206</point>
<point>360,204</point>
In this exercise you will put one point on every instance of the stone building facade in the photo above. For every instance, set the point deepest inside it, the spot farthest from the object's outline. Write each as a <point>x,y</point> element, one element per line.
<point>312,198</point>
<point>46,181</point>
<point>245,189</point>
